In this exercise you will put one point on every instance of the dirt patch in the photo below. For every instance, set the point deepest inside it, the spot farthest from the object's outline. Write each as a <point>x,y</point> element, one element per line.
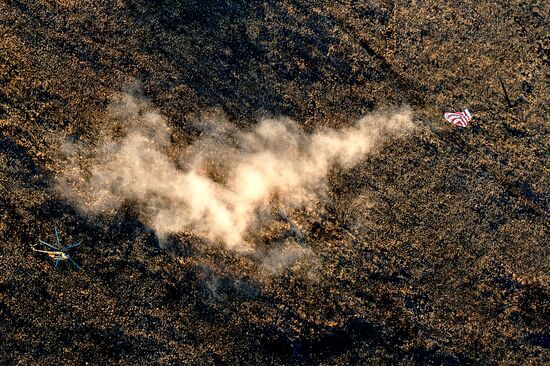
<point>433,249</point>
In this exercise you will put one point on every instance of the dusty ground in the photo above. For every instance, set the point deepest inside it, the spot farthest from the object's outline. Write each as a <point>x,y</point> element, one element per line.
<point>434,250</point>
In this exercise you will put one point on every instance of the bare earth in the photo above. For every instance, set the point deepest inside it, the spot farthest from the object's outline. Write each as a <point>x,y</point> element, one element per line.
<point>432,250</point>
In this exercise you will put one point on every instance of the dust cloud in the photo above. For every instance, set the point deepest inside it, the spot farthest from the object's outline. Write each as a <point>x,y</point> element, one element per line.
<point>220,186</point>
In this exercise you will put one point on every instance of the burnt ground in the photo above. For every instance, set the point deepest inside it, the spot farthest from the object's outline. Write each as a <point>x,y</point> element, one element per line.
<point>432,251</point>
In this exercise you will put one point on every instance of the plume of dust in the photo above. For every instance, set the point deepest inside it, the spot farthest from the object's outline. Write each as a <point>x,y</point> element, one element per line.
<point>135,160</point>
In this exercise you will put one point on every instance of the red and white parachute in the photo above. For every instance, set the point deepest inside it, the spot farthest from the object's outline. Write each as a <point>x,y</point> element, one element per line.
<point>459,119</point>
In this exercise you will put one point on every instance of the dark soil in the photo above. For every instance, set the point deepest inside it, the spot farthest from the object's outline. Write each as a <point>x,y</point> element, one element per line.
<point>449,265</point>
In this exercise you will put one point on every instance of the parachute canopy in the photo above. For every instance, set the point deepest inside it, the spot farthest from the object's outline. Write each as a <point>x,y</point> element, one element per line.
<point>459,119</point>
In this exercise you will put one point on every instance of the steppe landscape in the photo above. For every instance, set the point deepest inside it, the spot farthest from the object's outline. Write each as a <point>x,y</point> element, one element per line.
<point>273,183</point>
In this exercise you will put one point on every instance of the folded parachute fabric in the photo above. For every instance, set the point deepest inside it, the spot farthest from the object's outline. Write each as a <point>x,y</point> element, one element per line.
<point>459,119</point>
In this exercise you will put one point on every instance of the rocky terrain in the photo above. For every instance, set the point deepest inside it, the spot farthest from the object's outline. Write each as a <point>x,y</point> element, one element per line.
<point>434,249</point>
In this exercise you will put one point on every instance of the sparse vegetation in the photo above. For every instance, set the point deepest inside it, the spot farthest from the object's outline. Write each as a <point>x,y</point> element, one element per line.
<point>434,250</point>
